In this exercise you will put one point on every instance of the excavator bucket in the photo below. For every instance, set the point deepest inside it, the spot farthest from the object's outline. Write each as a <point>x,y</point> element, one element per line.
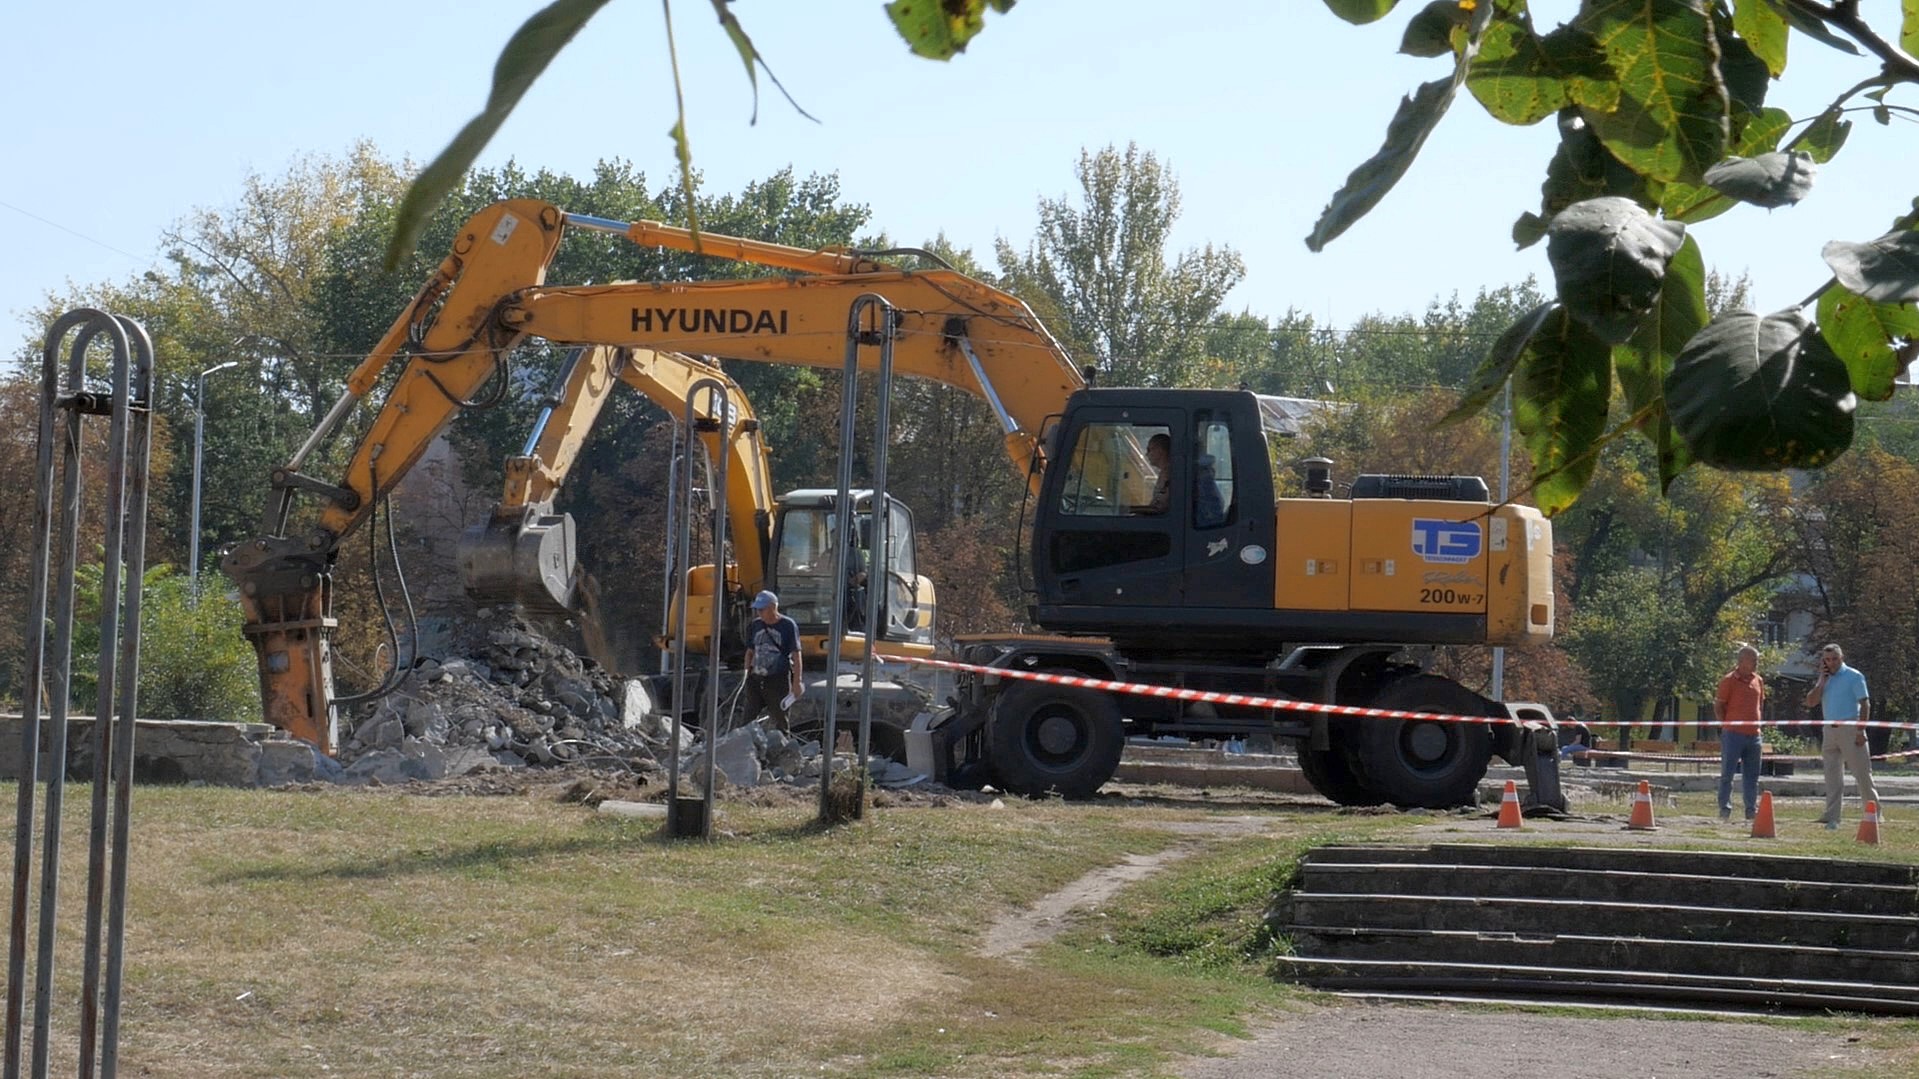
<point>529,561</point>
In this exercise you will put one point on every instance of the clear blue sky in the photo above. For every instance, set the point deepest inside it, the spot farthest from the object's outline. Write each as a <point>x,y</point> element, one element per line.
<point>127,116</point>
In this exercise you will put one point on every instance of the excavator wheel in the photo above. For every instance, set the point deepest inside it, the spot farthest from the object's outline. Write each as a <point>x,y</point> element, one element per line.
<point>1051,739</point>
<point>1431,765</point>
<point>1331,771</point>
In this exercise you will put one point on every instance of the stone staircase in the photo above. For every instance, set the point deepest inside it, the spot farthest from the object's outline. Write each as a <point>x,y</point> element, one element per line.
<point>1605,926</point>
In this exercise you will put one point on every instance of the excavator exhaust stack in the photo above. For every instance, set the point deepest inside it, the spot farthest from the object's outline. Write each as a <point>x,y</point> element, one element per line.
<point>530,561</point>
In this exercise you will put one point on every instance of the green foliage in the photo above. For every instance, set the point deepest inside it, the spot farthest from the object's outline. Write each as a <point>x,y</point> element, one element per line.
<point>1861,332</point>
<point>1559,406</point>
<point>940,29</point>
<point>1418,115</point>
<point>527,53</point>
<point>1662,103</point>
<point>1609,259</point>
<point>194,661</point>
<point>1753,392</point>
<point>1103,266</point>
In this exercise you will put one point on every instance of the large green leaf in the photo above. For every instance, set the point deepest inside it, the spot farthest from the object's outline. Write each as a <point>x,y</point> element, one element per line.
<point>1761,393</point>
<point>1644,361</point>
<point>1764,30</point>
<point>1415,120</point>
<point>1909,26</point>
<point>1581,168</point>
<point>1430,31</point>
<point>937,29</point>
<point>1811,25</point>
<point>1825,135</point>
<point>1780,178</point>
<point>527,52</point>
<point>1672,121</point>
<point>1744,74</point>
<point>1560,395</point>
<point>1492,374</point>
<point>1885,270</point>
<point>1361,12</point>
<point>1410,126</point>
<point>1521,78</point>
<point>1868,337</point>
<point>1608,258</point>
<point>1692,203</point>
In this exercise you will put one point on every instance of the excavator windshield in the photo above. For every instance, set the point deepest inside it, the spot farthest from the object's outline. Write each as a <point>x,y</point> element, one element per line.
<point>805,560</point>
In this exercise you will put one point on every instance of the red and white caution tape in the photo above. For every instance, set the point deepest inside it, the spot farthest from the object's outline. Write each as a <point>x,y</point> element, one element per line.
<point>1204,696</point>
<point>1139,689</point>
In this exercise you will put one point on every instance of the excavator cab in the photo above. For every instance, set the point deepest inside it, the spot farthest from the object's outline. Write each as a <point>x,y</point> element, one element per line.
<point>803,564</point>
<point>1185,544</point>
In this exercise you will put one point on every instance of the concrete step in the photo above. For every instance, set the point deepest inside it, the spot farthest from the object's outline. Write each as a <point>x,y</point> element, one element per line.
<point>1710,863</point>
<point>1545,882</point>
<point>1626,924</point>
<point>1600,982</point>
<point>1744,959</point>
<point>1632,919</point>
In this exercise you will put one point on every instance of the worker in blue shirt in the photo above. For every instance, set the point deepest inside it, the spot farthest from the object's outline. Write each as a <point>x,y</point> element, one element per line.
<point>1844,704</point>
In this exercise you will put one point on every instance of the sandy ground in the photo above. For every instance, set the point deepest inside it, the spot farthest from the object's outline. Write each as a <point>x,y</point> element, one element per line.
<point>1364,1040</point>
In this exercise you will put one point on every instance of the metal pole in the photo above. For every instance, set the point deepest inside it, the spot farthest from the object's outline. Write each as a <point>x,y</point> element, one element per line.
<point>717,495</point>
<point>843,510</point>
<point>50,401</point>
<point>139,394</point>
<point>63,679</point>
<point>1505,486</point>
<point>878,563</point>
<point>199,441</point>
<point>112,581</point>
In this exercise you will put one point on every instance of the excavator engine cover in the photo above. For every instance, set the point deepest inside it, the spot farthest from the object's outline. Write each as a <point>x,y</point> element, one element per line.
<point>528,561</point>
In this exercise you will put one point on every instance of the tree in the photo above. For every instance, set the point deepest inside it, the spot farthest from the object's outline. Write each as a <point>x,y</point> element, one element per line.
<point>1103,266</point>
<point>1661,111</point>
<point>1860,547</point>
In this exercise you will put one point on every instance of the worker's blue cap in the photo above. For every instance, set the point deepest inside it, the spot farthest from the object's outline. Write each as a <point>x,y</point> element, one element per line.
<point>765,600</point>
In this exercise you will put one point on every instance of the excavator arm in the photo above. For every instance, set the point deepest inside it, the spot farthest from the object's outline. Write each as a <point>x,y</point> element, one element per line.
<point>524,553</point>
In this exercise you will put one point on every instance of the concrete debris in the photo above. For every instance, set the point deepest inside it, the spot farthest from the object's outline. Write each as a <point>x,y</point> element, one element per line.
<point>521,700</point>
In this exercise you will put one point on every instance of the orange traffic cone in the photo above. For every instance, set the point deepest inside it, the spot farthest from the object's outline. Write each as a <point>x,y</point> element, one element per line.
<point>1509,806</point>
<point>1762,820</point>
<point>1641,809</point>
<point>1869,825</point>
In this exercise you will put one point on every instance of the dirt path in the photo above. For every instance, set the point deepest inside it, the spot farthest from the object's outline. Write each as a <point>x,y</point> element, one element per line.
<point>1019,930</point>
<point>1419,1041</point>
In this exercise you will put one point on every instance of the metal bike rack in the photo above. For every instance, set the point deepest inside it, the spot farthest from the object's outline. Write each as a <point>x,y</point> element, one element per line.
<point>681,818</point>
<point>883,333</point>
<point>127,405</point>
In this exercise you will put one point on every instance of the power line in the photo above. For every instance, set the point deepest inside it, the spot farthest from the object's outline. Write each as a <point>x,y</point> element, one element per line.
<point>71,232</point>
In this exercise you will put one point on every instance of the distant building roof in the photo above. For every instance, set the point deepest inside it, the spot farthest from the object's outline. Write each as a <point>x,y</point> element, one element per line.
<point>1287,416</point>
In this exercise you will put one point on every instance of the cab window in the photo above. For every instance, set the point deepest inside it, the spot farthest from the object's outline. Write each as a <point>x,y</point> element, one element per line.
<point>1110,471</point>
<point>1213,489</point>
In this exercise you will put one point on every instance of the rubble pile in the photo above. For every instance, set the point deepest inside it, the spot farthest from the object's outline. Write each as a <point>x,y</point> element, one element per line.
<point>518,699</point>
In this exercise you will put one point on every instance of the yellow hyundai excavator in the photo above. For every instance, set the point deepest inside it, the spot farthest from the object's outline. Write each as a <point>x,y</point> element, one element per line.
<point>525,552</point>
<point>1160,552</point>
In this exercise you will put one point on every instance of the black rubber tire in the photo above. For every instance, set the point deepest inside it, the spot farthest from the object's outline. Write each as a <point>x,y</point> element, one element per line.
<point>1331,773</point>
<point>1051,739</point>
<point>1424,765</point>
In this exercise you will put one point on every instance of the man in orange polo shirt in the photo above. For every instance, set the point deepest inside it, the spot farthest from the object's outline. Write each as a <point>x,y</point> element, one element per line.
<point>1738,709</point>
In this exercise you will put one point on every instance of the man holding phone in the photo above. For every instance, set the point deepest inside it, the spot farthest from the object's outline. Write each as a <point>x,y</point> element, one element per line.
<point>1840,693</point>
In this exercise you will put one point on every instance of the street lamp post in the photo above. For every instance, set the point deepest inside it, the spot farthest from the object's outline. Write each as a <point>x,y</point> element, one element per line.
<point>199,441</point>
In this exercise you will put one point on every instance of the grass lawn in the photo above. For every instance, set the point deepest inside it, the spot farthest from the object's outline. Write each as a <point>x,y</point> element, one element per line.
<point>380,933</point>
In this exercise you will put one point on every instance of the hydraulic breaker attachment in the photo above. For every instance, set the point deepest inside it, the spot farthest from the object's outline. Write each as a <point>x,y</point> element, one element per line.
<point>529,560</point>
<point>286,590</point>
